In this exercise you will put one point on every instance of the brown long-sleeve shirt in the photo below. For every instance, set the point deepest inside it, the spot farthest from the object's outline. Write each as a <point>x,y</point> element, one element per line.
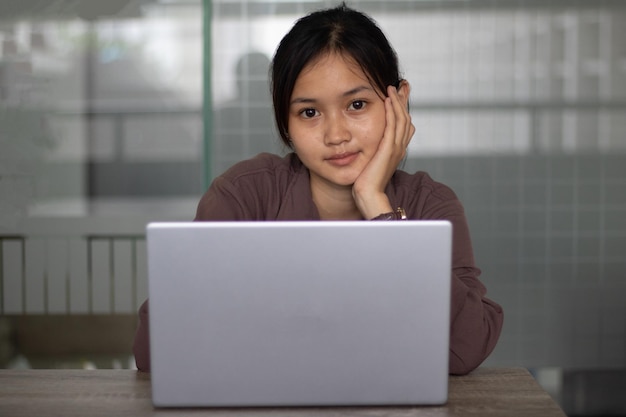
<point>269,187</point>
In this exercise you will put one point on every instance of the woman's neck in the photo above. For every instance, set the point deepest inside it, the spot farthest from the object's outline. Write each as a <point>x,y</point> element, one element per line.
<point>335,202</point>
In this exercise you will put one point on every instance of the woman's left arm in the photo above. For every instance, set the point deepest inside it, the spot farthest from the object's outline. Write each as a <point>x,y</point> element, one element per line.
<point>475,320</point>
<point>475,324</point>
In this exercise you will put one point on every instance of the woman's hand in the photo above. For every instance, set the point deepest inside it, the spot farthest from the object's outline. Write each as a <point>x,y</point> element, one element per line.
<point>369,188</point>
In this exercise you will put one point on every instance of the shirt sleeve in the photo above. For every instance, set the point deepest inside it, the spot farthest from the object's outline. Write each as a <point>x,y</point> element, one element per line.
<point>218,203</point>
<point>475,320</point>
<point>251,190</point>
<point>141,344</point>
<point>223,201</point>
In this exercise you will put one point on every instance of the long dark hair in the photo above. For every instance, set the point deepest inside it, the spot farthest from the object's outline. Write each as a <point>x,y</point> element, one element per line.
<point>342,30</point>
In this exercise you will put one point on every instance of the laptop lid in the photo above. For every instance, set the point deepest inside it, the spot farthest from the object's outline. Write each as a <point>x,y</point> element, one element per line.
<point>299,313</point>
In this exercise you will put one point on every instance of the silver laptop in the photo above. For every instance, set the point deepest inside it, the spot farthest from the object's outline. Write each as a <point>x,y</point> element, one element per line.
<point>247,314</point>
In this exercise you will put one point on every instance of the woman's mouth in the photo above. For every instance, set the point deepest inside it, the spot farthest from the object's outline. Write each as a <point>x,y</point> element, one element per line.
<point>342,159</point>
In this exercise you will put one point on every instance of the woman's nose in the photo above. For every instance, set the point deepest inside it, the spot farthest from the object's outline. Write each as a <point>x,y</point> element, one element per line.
<point>337,130</point>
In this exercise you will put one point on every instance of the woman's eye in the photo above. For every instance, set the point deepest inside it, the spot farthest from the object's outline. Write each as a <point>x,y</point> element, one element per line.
<point>357,105</point>
<point>308,113</point>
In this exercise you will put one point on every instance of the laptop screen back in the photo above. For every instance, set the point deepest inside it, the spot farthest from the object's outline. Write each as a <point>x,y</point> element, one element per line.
<point>299,313</point>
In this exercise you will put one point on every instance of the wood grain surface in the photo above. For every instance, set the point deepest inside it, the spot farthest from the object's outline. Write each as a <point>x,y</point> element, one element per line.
<point>510,392</point>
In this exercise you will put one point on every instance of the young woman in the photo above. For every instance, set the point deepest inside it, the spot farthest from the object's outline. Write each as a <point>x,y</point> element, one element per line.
<point>341,106</point>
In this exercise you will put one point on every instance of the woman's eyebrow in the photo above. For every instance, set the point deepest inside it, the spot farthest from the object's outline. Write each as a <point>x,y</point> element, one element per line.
<point>299,100</point>
<point>351,92</point>
<point>356,90</point>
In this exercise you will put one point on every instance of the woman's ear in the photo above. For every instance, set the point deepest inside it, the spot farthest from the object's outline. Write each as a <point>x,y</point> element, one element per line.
<point>404,91</point>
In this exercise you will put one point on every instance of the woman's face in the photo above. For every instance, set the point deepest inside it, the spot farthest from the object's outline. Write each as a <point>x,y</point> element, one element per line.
<point>336,120</point>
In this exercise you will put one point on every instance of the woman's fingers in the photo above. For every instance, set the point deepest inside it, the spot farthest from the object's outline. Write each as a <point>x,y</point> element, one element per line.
<point>399,120</point>
<point>402,111</point>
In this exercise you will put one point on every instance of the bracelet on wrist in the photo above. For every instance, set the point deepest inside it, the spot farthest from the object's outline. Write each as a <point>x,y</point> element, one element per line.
<point>398,214</point>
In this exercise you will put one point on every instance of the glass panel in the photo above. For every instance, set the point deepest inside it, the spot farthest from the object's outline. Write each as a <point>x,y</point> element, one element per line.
<point>101,131</point>
<point>101,109</point>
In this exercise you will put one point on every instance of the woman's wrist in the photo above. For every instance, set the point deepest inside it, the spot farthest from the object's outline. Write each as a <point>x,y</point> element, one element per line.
<point>397,214</point>
<point>373,205</point>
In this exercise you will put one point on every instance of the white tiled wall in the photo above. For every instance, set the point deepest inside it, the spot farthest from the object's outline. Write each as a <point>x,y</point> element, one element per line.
<point>549,233</point>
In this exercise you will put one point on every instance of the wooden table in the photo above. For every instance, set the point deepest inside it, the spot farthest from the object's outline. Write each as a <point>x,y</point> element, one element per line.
<point>485,392</point>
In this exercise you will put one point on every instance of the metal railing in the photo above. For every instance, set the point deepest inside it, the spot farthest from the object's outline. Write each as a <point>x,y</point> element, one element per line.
<point>90,273</point>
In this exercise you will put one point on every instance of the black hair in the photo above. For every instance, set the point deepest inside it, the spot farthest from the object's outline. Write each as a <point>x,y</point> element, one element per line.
<point>342,30</point>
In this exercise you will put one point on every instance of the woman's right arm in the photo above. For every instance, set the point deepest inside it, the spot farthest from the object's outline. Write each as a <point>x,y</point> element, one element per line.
<point>141,344</point>
<point>218,203</point>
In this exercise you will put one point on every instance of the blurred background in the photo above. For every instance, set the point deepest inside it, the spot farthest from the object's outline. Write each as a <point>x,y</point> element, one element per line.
<point>117,113</point>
